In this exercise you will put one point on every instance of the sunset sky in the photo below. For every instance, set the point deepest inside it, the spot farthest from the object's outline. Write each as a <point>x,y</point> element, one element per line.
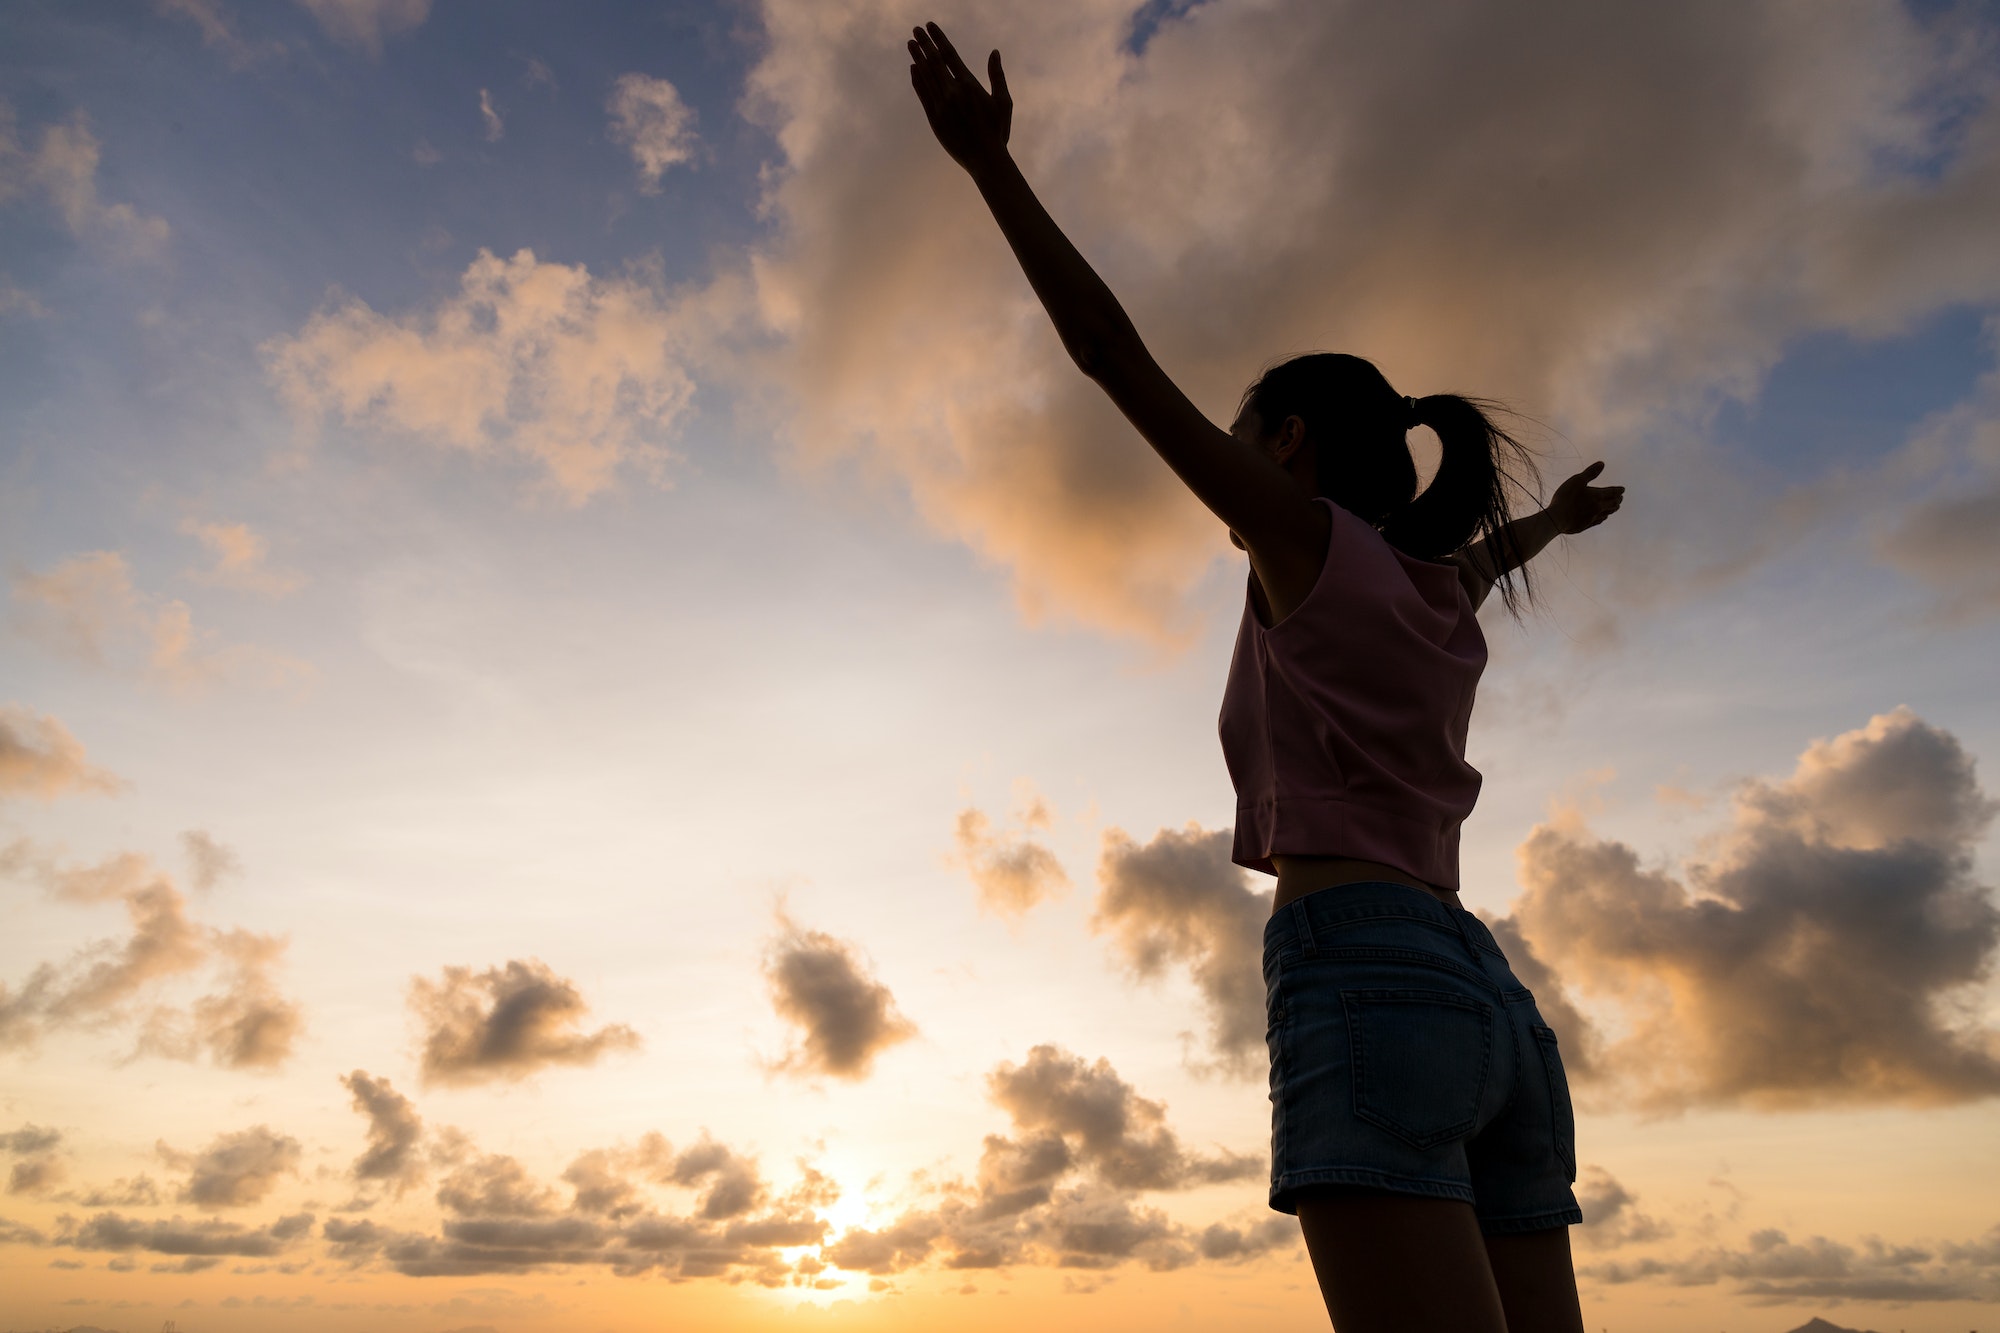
<point>598,732</point>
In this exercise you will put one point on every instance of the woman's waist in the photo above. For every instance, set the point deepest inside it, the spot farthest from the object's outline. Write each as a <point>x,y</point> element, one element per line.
<point>1302,875</point>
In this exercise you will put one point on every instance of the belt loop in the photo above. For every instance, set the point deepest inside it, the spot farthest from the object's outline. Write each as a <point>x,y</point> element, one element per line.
<point>1302,926</point>
<point>1458,915</point>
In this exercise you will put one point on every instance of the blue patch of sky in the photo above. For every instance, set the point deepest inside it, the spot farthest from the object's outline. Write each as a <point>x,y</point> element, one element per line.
<point>1153,15</point>
<point>1836,400</point>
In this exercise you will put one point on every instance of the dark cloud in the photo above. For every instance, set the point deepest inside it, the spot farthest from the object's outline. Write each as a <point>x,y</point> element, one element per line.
<point>1106,1126</point>
<point>499,1219</point>
<point>1179,901</point>
<point>1063,1188</point>
<point>125,1192</point>
<point>1011,873</point>
<point>1611,1216</point>
<point>244,1024</point>
<point>38,757</point>
<point>506,1023</point>
<point>843,1016</point>
<point>114,1231</point>
<point>1811,960</point>
<point>30,1140</point>
<point>1772,1269</point>
<point>238,1169</point>
<point>36,1168</point>
<point>394,1130</point>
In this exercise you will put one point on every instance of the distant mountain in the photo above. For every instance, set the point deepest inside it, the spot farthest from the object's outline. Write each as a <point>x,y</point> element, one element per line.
<point>1818,1325</point>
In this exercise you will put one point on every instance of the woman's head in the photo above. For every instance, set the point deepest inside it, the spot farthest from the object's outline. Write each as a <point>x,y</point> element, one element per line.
<point>1357,428</point>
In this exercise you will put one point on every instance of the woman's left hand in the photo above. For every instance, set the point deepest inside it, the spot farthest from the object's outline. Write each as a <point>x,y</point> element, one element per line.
<point>970,123</point>
<point>1578,504</point>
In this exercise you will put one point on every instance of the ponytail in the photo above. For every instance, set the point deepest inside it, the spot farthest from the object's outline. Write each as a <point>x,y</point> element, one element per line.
<point>1361,427</point>
<point>1468,498</point>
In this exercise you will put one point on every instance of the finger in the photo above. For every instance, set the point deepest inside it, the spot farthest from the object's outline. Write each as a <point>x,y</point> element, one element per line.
<point>1592,472</point>
<point>951,57</point>
<point>998,78</point>
<point>923,43</point>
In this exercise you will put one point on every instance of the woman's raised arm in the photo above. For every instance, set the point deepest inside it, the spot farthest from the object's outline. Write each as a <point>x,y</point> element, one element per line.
<point>1246,488</point>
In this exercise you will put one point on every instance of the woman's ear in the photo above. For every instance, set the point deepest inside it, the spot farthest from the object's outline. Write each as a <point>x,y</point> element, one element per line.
<point>1291,438</point>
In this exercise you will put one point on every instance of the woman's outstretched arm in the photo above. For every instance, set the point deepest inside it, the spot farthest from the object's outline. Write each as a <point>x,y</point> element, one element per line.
<point>1247,489</point>
<point>1577,505</point>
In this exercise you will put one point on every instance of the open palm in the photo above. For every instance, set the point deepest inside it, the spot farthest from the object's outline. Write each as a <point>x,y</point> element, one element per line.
<point>970,122</point>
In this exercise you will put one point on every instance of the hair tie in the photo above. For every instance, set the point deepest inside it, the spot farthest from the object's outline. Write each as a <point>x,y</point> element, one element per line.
<point>1410,412</point>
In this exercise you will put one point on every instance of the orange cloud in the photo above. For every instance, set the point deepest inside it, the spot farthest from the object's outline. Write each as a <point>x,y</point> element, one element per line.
<point>576,374</point>
<point>1012,874</point>
<point>39,757</point>
<point>88,609</point>
<point>240,559</point>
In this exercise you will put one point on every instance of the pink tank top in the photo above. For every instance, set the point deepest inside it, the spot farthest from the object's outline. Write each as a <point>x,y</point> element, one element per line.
<point>1344,725</point>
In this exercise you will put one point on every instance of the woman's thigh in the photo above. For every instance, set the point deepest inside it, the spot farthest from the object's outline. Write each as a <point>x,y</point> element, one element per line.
<point>1397,1263</point>
<point>1537,1280</point>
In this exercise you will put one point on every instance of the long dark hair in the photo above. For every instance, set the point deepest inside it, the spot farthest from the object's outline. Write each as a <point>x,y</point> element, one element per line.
<point>1360,428</point>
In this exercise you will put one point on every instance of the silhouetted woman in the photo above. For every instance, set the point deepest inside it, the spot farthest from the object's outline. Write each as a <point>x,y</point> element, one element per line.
<point>1421,1126</point>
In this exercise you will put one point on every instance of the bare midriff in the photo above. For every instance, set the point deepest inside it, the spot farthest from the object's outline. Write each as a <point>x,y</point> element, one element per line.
<point>1300,875</point>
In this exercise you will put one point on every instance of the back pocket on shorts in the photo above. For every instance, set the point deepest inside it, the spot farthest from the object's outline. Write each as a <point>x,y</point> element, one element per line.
<point>1560,1110</point>
<point>1420,1059</point>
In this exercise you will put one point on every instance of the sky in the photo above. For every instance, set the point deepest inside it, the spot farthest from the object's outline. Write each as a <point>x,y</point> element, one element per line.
<point>598,730</point>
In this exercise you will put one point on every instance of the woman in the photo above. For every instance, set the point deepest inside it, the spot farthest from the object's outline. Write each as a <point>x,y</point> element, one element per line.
<point>1421,1125</point>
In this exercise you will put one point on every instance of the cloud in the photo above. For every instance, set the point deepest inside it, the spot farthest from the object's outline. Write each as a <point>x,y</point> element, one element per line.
<point>240,556</point>
<point>87,609</point>
<point>1692,188</point>
<point>1106,1127</point>
<point>39,757</point>
<point>63,169</point>
<point>245,1025</point>
<point>237,1170</point>
<point>506,1023</point>
<point>1179,900</point>
<point>496,129</point>
<point>209,861</point>
<point>13,298</point>
<point>394,1131</point>
<point>1062,1189</point>
<point>1611,1215</point>
<point>844,1017</point>
<point>1949,538</point>
<point>125,1192</point>
<point>649,117</point>
<point>1771,1269</point>
<point>36,1167</point>
<point>242,1024</point>
<point>498,1218</point>
<point>206,1238</point>
<point>364,23</point>
<point>579,375</point>
<point>1812,960</point>
<point>219,32</point>
<point>1012,874</point>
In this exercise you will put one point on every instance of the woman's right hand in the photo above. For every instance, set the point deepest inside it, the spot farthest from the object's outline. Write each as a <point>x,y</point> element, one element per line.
<point>969,122</point>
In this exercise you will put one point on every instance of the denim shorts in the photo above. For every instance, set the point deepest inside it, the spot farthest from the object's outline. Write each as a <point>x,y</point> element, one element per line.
<point>1406,1056</point>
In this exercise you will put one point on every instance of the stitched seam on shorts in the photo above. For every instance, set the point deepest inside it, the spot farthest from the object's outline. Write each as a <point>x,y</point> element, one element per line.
<point>1432,960</point>
<point>1294,1181</point>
